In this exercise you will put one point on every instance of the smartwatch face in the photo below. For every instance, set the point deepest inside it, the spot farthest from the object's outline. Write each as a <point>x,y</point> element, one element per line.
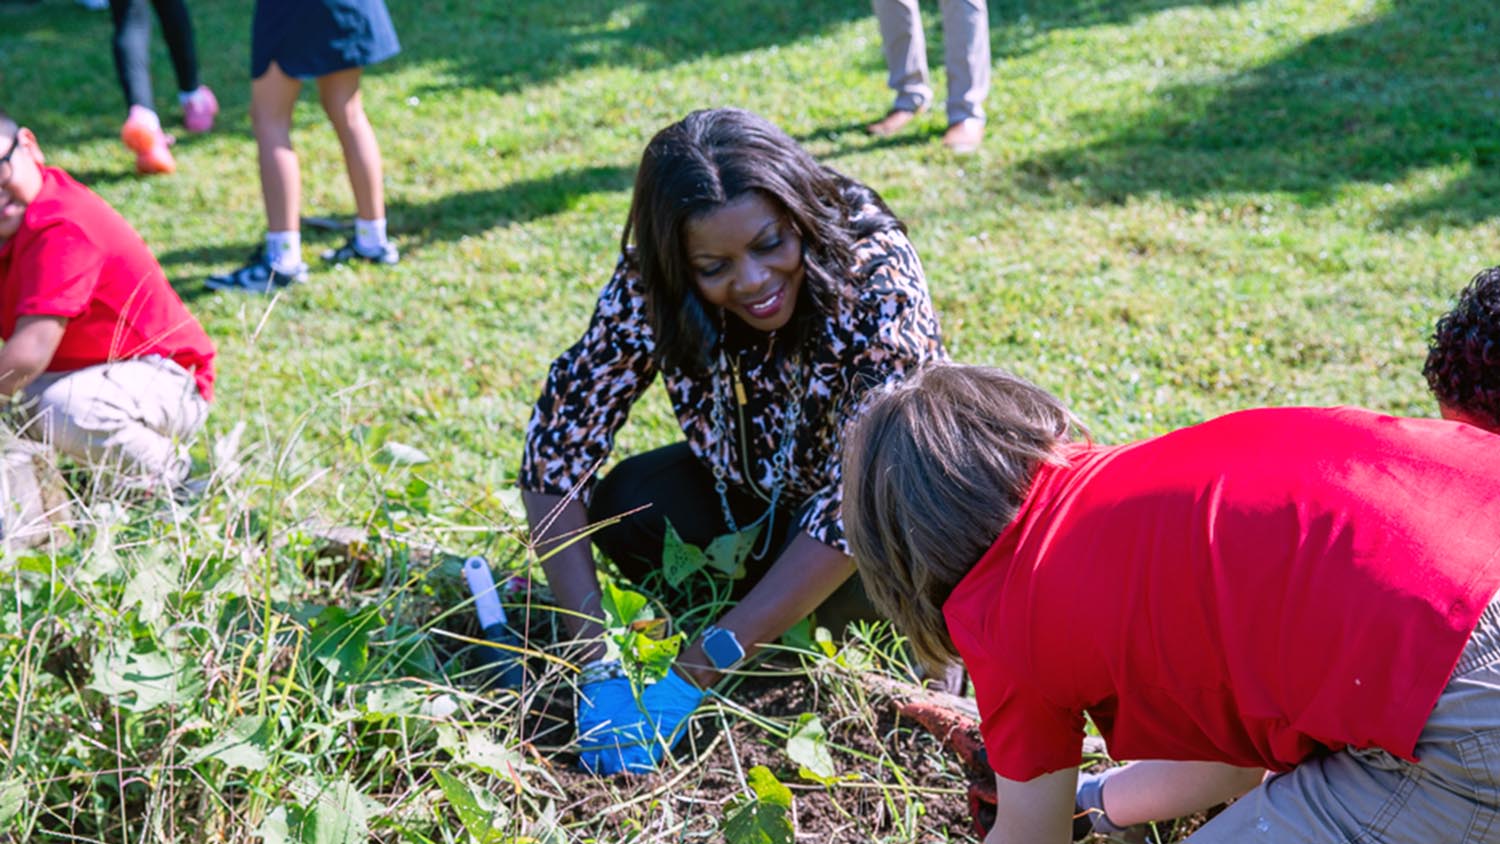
<point>722,648</point>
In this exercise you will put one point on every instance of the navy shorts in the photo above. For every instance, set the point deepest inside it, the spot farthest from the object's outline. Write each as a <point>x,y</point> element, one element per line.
<point>311,38</point>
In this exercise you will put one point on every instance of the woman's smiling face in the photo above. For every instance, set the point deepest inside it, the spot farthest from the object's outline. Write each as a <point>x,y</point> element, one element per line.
<point>747,259</point>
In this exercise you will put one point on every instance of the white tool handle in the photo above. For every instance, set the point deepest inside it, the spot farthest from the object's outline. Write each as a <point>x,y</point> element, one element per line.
<point>482,584</point>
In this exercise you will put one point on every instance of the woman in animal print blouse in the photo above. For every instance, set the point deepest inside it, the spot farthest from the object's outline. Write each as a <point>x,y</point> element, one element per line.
<point>771,294</point>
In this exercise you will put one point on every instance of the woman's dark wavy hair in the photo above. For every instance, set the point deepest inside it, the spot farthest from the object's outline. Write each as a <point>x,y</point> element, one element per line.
<point>1463,356</point>
<point>714,157</point>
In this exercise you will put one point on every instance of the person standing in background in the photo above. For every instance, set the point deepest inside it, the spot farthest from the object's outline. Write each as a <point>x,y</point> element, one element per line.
<point>142,131</point>
<point>966,55</point>
<point>331,41</point>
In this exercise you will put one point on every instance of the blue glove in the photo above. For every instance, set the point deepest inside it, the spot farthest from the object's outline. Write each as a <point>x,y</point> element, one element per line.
<point>617,734</point>
<point>668,703</point>
<point>611,728</point>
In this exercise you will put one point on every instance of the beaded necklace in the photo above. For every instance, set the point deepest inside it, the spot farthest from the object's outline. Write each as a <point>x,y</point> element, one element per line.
<point>780,461</point>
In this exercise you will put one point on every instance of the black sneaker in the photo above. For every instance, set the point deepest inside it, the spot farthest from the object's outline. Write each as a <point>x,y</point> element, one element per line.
<point>387,254</point>
<point>258,276</point>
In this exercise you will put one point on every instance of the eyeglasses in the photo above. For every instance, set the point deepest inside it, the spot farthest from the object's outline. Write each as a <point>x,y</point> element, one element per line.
<point>6,171</point>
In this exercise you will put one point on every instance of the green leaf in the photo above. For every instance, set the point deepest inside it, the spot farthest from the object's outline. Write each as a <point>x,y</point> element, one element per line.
<point>393,701</point>
<point>275,828</point>
<point>244,745</point>
<point>808,747</point>
<point>101,561</point>
<point>763,818</point>
<point>622,606</point>
<point>727,553</point>
<point>12,799</point>
<point>679,560</point>
<point>476,811</point>
<point>154,580</point>
<point>341,642</point>
<point>655,656</point>
<point>825,642</point>
<point>333,813</point>
<point>153,679</point>
<point>803,636</point>
<point>482,752</point>
<point>400,454</point>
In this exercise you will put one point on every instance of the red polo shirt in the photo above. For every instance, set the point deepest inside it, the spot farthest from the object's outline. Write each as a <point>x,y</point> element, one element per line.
<point>75,257</point>
<point>1251,590</point>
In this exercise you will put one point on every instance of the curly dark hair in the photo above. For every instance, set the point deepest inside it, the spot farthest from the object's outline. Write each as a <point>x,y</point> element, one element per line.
<point>1463,356</point>
<point>710,159</point>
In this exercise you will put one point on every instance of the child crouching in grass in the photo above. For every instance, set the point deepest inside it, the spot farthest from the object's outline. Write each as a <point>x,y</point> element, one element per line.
<point>1463,355</point>
<point>1304,590</point>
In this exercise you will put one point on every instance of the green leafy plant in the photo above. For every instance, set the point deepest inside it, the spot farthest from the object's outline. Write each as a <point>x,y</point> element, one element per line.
<point>762,817</point>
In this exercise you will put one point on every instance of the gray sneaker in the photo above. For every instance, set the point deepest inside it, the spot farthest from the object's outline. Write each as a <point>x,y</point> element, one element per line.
<point>258,276</point>
<point>387,254</point>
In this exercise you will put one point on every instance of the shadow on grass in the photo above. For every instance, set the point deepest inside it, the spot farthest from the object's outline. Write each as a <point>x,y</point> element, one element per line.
<point>417,225</point>
<point>512,45</point>
<point>476,211</point>
<point>1410,89</point>
<point>1016,24</point>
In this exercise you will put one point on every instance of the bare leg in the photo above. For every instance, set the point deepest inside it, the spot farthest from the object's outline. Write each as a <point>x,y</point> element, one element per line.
<point>272,98</point>
<point>341,100</point>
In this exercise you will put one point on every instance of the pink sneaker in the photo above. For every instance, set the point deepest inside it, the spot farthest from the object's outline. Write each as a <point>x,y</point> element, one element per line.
<point>198,110</point>
<point>142,133</point>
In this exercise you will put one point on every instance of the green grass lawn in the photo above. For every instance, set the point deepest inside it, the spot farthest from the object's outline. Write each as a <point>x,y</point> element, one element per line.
<point>1180,209</point>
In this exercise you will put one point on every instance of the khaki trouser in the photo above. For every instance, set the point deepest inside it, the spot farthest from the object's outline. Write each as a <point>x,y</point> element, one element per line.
<point>966,55</point>
<point>132,419</point>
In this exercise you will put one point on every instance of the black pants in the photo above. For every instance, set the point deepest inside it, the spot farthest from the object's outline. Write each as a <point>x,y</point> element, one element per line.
<point>670,483</point>
<point>132,44</point>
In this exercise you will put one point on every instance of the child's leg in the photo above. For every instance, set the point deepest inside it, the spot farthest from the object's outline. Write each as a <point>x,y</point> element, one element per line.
<point>1157,790</point>
<point>177,29</point>
<point>341,100</point>
<point>131,418</point>
<point>132,41</point>
<point>272,97</point>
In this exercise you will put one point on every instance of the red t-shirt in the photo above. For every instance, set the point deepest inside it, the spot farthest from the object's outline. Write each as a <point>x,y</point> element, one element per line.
<point>75,257</point>
<point>1251,590</point>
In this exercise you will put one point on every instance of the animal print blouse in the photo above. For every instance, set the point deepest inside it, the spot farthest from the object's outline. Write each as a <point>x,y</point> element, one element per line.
<point>885,327</point>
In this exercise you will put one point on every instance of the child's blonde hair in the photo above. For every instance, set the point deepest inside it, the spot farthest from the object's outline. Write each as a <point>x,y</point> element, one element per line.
<point>934,468</point>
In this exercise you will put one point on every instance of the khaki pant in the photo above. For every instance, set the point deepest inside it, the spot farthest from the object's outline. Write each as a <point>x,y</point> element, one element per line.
<point>132,419</point>
<point>966,55</point>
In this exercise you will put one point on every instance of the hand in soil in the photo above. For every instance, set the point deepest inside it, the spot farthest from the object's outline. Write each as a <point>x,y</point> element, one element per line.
<point>616,734</point>
<point>611,729</point>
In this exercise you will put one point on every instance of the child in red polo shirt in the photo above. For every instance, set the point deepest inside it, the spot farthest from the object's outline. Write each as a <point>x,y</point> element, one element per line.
<point>107,363</point>
<point>1303,590</point>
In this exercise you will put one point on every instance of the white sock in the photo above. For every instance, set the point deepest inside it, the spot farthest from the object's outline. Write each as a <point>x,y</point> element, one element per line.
<point>369,235</point>
<point>284,250</point>
<point>184,97</point>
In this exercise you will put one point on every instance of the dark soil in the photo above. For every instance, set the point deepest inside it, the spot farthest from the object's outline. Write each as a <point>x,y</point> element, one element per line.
<point>900,785</point>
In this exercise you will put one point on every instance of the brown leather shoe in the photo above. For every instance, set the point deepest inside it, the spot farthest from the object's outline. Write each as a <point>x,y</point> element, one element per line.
<point>894,121</point>
<point>965,136</point>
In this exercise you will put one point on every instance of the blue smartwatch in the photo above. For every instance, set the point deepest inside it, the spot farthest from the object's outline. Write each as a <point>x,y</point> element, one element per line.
<point>722,648</point>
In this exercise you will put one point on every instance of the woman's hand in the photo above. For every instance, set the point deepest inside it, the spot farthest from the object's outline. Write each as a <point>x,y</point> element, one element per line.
<point>800,579</point>
<point>617,733</point>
